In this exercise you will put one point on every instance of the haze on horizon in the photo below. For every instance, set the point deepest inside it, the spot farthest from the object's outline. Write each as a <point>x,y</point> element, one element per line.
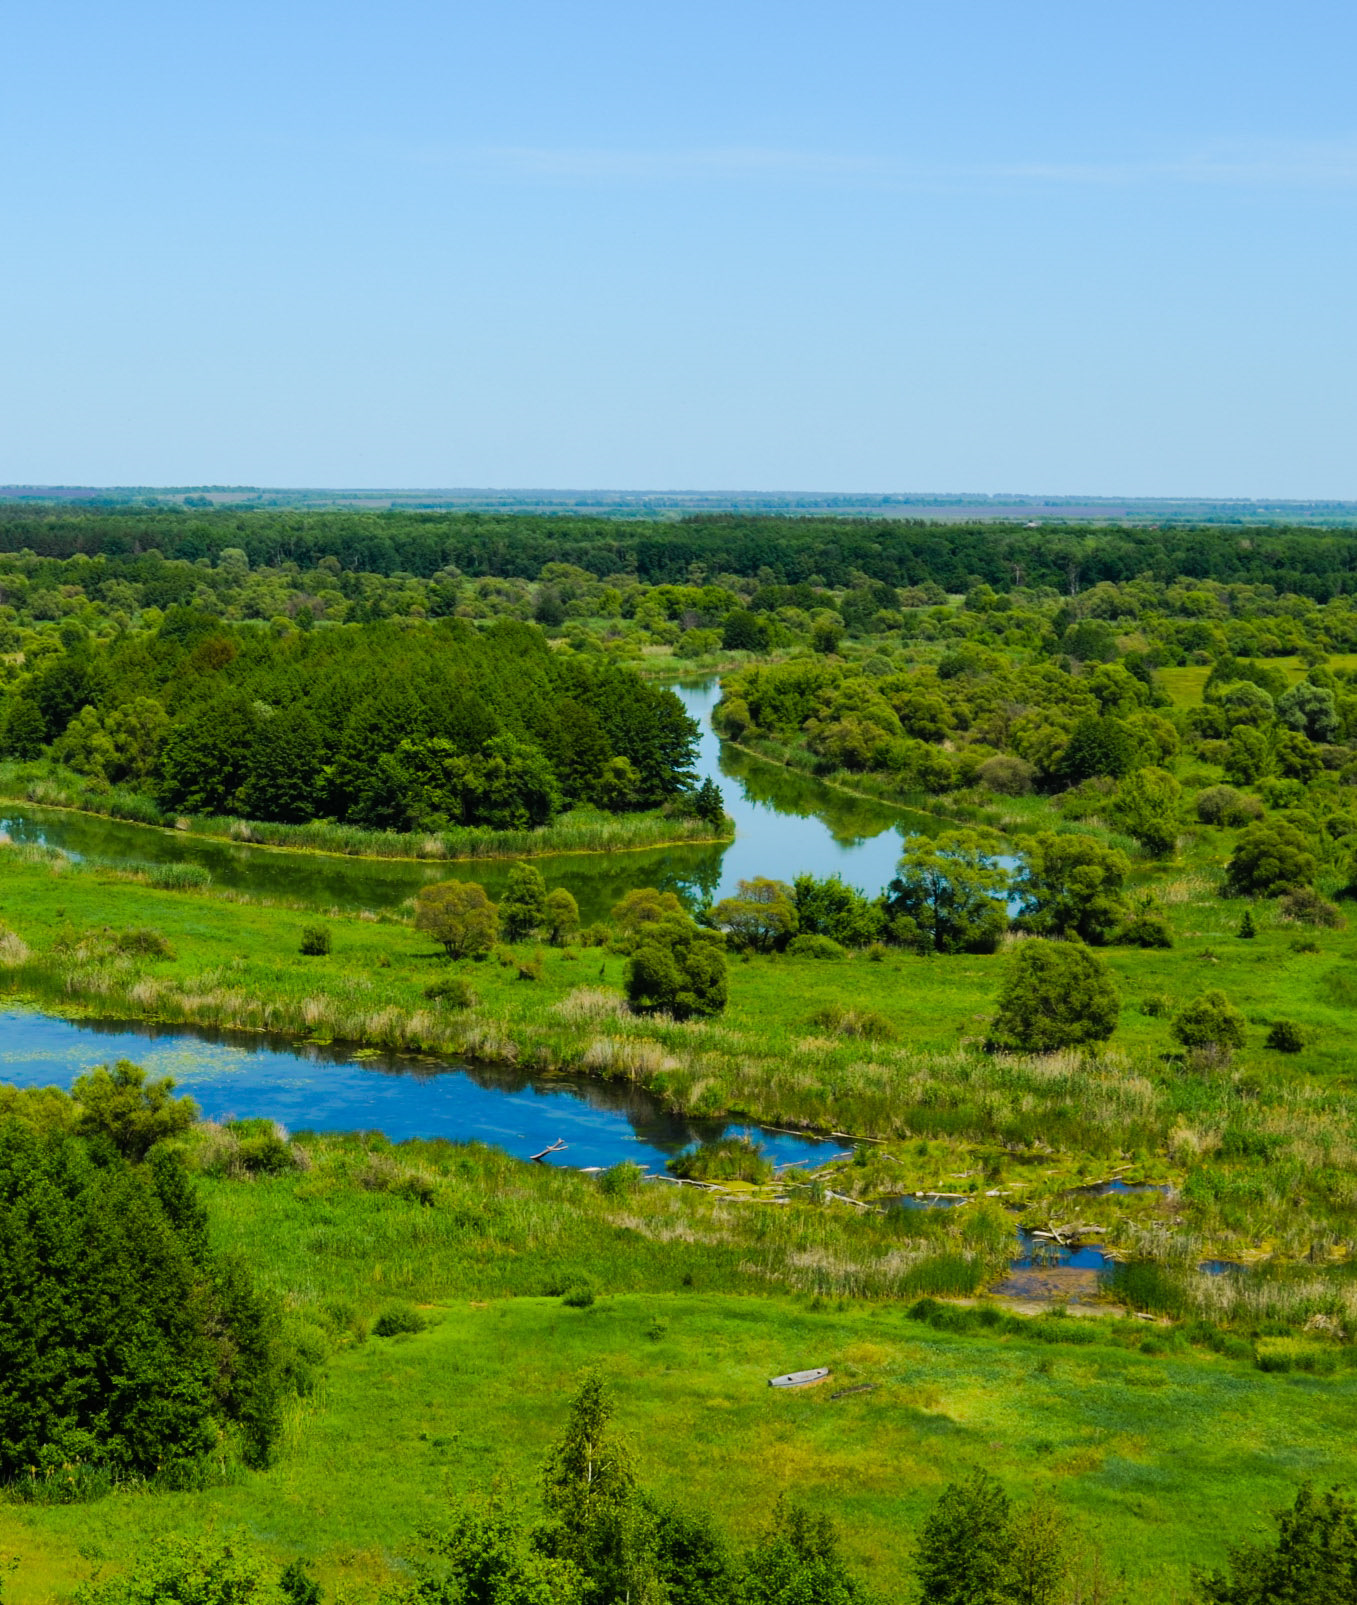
<point>870,247</point>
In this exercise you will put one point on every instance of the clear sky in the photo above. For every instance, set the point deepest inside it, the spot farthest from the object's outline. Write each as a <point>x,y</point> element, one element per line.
<point>869,245</point>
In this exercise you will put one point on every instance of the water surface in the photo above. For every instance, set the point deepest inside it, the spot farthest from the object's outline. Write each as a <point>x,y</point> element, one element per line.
<point>234,1075</point>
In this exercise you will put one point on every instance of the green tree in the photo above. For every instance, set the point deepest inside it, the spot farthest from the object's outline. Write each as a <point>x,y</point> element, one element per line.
<point>25,731</point>
<point>121,1106</point>
<point>589,1487</point>
<point>1270,857</point>
<point>962,1556</point>
<point>478,1555</point>
<point>1247,929</point>
<point>206,756</point>
<point>523,905</point>
<point>951,890</point>
<point>1098,746</point>
<point>1210,1024</point>
<point>645,905</point>
<point>562,916</point>
<point>1071,885</point>
<point>459,916</point>
<point>831,908</point>
<point>1312,1562</point>
<point>1251,756</point>
<point>283,781</point>
<point>1055,995</point>
<point>708,804</point>
<point>1310,709</point>
<point>1147,807</point>
<point>761,916</point>
<point>677,968</point>
<point>797,1562</point>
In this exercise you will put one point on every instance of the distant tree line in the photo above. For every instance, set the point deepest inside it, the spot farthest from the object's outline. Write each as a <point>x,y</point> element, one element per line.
<point>898,552</point>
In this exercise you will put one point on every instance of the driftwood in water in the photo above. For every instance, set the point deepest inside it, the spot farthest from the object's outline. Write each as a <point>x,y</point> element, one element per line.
<point>554,1149</point>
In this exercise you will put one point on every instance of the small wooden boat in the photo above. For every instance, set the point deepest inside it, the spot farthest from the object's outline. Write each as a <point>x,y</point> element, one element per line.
<point>800,1379</point>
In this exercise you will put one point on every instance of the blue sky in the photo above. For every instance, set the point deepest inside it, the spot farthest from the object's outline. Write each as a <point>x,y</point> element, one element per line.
<point>1065,248</point>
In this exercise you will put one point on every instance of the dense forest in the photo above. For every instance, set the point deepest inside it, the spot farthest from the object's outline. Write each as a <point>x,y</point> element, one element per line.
<point>375,726</point>
<point>824,550</point>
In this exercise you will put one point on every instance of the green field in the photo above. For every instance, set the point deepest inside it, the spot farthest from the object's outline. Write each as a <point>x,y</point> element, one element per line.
<point>1157,1460</point>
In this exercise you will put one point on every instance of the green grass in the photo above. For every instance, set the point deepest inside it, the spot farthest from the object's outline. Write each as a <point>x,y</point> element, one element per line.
<point>1159,1461</point>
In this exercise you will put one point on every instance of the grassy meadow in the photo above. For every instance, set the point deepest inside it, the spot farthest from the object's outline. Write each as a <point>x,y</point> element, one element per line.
<point>1160,1452</point>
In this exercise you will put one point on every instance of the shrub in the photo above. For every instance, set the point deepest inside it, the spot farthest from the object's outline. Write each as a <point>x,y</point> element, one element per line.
<point>1146,928</point>
<point>1007,775</point>
<point>523,907</point>
<point>453,992</point>
<point>1156,1005</point>
<point>1247,929</point>
<point>1210,1023</point>
<point>619,1179</point>
<point>1269,858</point>
<point>1226,805</point>
<point>1055,995</point>
<point>397,1320</point>
<point>579,1297</point>
<point>866,1023</point>
<point>315,942</point>
<point>726,1159</point>
<point>562,916</point>
<point>1286,1037</point>
<point>1307,907</point>
<point>143,943</point>
<point>815,947</point>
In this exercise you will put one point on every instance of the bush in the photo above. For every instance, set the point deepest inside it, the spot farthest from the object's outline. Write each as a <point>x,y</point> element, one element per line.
<point>815,947</point>
<point>1270,858</point>
<point>620,1179</point>
<point>143,943</point>
<point>866,1023</point>
<point>1210,1023</point>
<point>1286,1037</point>
<point>1055,995</point>
<point>1147,928</point>
<point>1307,907</point>
<point>726,1159</point>
<point>677,968</point>
<point>579,1297</point>
<point>1226,805</point>
<point>1156,1005</point>
<point>453,992</point>
<point>398,1320</point>
<point>1007,775</point>
<point>315,941</point>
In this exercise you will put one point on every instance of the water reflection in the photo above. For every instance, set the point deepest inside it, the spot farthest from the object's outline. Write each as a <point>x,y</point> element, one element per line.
<point>306,1086</point>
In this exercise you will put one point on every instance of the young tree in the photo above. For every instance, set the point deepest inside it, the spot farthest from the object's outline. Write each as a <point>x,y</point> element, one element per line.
<point>834,909</point>
<point>1270,857</point>
<point>1098,745</point>
<point>131,1113</point>
<point>523,906</point>
<point>708,804</point>
<point>1055,995</point>
<point>762,915</point>
<point>952,891</point>
<point>459,916</point>
<point>1313,1562</point>
<point>1071,885</point>
<point>562,916</point>
<point>589,1486</point>
<point>797,1562</point>
<point>1147,806</point>
<point>479,1555</point>
<point>963,1550</point>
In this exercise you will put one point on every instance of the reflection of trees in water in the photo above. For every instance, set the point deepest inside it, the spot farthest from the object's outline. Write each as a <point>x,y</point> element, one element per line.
<point>850,820</point>
<point>650,1121</point>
